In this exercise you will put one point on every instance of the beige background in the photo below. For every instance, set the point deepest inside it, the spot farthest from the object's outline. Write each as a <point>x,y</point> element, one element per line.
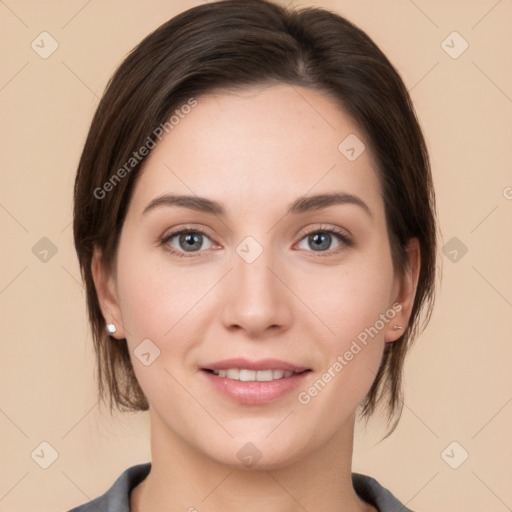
<point>458,384</point>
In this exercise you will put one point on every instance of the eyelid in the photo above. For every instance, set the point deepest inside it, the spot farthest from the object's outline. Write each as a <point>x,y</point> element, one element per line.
<point>308,230</point>
<point>171,233</point>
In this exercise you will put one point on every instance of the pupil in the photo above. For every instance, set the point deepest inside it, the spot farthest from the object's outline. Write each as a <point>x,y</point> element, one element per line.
<point>320,241</point>
<point>191,241</point>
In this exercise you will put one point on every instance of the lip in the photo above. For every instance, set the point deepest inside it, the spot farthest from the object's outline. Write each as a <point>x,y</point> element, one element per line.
<point>256,392</point>
<point>262,364</point>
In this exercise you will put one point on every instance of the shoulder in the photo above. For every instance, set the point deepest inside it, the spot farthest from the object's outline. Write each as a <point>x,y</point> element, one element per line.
<point>117,498</point>
<point>369,490</point>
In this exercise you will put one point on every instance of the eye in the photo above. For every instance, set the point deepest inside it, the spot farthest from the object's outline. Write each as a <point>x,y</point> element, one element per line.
<point>322,240</point>
<point>187,241</point>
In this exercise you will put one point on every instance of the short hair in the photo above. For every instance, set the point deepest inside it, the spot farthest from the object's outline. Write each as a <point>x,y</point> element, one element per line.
<point>233,44</point>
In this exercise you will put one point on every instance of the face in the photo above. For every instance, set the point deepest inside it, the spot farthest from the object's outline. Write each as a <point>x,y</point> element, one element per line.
<point>277,257</point>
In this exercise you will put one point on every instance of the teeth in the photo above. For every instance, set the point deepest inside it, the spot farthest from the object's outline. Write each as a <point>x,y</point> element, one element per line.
<point>247,375</point>
<point>264,375</point>
<point>233,374</point>
<point>253,375</point>
<point>278,374</point>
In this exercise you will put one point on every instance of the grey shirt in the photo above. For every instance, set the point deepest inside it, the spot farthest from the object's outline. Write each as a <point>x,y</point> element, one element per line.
<point>117,498</point>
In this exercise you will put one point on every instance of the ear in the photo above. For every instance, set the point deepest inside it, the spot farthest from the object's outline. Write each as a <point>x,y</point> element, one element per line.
<point>406,292</point>
<point>105,285</point>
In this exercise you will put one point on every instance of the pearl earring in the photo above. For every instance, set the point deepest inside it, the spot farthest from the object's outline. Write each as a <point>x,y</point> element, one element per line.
<point>111,329</point>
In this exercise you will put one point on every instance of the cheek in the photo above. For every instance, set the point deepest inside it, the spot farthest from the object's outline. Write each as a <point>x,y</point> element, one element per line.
<point>355,311</point>
<point>160,305</point>
<point>155,296</point>
<point>351,297</point>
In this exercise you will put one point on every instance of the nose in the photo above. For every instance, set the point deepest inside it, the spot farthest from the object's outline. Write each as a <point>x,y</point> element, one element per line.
<point>255,300</point>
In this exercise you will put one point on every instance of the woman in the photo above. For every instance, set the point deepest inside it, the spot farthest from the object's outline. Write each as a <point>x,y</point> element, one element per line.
<point>255,224</point>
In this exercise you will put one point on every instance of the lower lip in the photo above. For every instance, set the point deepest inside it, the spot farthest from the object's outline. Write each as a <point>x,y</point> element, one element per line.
<point>255,393</point>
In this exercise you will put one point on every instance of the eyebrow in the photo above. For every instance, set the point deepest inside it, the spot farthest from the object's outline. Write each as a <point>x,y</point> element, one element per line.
<point>302,204</point>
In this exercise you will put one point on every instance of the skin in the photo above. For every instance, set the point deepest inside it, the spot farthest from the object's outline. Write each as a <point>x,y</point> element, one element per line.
<point>255,152</point>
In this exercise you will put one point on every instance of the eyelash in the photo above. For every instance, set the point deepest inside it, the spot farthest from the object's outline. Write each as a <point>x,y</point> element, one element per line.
<point>345,240</point>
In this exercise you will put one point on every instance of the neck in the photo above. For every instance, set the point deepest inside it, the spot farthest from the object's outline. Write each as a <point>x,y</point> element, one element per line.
<point>183,479</point>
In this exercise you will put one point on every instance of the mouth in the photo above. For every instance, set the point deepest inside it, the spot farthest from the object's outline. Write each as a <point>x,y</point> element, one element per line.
<point>246,375</point>
<point>254,382</point>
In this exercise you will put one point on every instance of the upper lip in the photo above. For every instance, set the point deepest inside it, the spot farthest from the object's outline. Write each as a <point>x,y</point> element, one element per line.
<point>261,364</point>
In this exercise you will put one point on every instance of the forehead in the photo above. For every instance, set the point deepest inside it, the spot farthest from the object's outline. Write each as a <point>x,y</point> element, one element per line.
<point>271,143</point>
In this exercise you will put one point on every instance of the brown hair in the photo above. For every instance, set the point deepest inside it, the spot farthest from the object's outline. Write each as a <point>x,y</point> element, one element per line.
<point>238,43</point>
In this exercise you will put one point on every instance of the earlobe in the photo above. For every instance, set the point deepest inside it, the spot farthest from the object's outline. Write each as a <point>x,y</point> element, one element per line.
<point>104,283</point>
<point>406,293</point>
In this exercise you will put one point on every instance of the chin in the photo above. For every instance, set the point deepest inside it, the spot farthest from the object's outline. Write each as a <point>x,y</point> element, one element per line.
<point>260,454</point>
